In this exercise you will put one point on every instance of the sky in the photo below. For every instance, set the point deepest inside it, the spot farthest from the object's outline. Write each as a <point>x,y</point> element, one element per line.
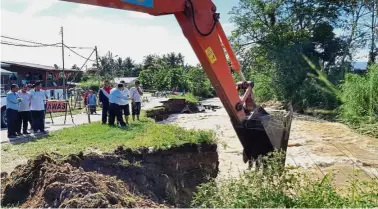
<point>124,33</point>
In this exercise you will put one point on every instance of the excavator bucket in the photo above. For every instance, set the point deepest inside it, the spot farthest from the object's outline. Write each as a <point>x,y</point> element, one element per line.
<point>263,132</point>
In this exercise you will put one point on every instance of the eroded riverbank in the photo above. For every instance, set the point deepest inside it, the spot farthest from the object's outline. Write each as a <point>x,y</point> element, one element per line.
<point>315,145</point>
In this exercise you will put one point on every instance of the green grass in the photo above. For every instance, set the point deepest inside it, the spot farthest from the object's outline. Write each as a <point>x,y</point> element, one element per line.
<point>95,136</point>
<point>188,96</point>
<point>276,186</point>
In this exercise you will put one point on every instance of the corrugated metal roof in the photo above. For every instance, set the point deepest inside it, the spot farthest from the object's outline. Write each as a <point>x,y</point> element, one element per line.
<point>5,72</point>
<point>126,79</point>
<point>38,66</point>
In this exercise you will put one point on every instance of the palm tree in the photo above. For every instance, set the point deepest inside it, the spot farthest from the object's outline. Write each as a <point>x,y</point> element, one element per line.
<point>128,65</point>
<point>180,60</point>
<point>149,61</point>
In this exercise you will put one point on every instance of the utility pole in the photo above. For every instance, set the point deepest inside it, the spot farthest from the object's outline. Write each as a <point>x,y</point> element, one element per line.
<point>98,66</point>
<point>64,75</point>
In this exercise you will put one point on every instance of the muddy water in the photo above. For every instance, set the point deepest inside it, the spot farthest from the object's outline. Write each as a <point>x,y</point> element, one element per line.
<point>319,146</point>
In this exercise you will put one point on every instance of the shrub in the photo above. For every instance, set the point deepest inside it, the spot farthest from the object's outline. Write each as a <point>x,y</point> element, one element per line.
<point>188,96</point>
<point>359,95</point>
<point>263,90</point>
<point>308,95</point>
<point>277,186</point>
<point>90,84</point>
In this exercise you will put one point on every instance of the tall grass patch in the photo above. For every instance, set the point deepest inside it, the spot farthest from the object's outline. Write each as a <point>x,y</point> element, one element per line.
<point>360,96</point>
<point>278,186</point>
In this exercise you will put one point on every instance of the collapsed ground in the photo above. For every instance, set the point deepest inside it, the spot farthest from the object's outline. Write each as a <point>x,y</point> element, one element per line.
<point>167,171</point>
<point>319,146</point>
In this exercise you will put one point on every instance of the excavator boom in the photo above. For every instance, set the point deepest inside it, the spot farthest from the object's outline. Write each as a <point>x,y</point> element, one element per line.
<point>200,24</point>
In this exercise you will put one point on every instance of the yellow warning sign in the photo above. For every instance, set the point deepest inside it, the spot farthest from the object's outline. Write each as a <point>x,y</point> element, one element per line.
<point>210,54</point>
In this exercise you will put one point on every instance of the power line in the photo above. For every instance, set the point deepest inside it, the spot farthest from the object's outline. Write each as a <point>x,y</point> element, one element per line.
<point>24,45</point>
<point>80,47</point>
<point>78,53</point>
<point>34,42</point>
<point>46,45</point>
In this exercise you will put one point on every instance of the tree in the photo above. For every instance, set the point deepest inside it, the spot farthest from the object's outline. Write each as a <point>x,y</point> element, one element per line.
<point>272,35</point>
<point>169,71</point>
<point>129,65</point>
<point>373,53</point>
<point>107,68</point>
<point>355,11</point>
<point>119,70</point>
<point>150,61</point>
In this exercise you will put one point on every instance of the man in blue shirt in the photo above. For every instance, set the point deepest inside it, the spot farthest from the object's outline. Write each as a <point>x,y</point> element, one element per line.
<point>13,105</point>
<point>114,108</point>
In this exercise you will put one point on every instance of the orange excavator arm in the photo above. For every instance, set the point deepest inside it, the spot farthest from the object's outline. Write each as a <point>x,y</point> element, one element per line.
<point>200,25</point>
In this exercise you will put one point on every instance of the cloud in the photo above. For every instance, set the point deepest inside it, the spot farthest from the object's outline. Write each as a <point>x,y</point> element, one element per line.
<point>82,8</point>
<point>138,36</point>
<point>35,6</point>
<point>123,37</point>
<point>139,15</point>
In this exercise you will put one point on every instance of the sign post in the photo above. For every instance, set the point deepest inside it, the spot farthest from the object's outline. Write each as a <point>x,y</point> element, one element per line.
<point>59,106</point>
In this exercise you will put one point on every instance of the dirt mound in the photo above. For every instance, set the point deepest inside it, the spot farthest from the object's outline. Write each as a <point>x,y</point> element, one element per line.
<point>44,182</point>
<point>168,176</point>
<point>123,178</point>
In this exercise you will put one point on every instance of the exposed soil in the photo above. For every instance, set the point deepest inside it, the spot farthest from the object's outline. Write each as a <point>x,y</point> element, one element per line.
<point>45,183</point>
<point>124,178</point>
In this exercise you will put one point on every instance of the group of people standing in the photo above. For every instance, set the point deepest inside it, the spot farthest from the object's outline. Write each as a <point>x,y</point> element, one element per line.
<point>115,102</point>
<point>26,106</point>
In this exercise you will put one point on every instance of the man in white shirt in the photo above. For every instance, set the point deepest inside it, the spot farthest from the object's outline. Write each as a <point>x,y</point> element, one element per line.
<point>135,94</point>
<point>37,108</point>
<point>124,103</point>
<point>24,111</point>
